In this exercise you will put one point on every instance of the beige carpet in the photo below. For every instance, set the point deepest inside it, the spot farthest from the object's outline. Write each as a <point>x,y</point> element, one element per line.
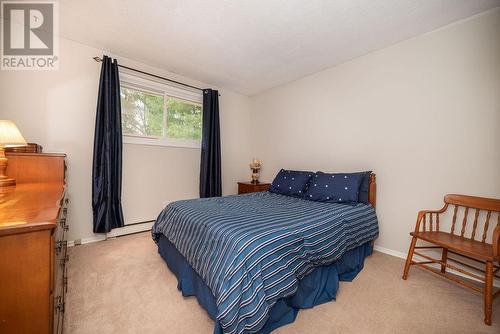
<point>123,286</point>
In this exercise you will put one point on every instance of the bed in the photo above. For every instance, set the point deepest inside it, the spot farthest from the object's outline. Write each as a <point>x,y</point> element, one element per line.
<point>254,260</point>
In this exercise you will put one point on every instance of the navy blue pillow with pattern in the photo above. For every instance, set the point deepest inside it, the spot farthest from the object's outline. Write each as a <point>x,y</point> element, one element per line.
<point>334,188</point>
<point>291,182</point>
<point>364,187</point>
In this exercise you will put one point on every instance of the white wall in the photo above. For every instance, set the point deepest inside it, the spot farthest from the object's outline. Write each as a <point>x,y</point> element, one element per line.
<point>424,115</point>
<point>57,110</point>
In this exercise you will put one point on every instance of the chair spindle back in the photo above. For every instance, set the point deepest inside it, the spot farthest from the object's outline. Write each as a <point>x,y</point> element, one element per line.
<point>480,227</point>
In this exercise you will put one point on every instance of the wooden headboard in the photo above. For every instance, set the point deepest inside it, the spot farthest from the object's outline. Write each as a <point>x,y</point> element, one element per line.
<point>372,190</point>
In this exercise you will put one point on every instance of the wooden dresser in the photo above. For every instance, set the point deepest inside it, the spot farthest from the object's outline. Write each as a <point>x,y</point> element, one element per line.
<point>33,252</point>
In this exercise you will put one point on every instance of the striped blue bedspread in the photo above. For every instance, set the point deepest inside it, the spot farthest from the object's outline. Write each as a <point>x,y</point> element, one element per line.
<point>251,250</point>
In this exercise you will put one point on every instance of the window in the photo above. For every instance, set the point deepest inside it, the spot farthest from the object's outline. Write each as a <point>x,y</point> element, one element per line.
<point>142,113</point>
<point>157,114</point>
<point>183,119</point>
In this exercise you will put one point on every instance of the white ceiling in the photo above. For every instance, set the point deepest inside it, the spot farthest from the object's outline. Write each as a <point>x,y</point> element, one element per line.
<point>253,45</point>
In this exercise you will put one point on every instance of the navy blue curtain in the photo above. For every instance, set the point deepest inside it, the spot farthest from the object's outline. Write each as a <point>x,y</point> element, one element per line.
<point>107,163</point>
<point>210,169</point>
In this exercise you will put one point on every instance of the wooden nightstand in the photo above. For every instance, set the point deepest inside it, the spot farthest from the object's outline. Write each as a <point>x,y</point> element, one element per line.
<point>249,187</point>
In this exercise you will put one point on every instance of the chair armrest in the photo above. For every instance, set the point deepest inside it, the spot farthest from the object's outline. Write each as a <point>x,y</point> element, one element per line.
<point>496,241</point>
<point>422,213</point>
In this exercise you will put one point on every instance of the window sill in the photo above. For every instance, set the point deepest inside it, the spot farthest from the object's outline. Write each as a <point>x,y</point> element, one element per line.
<point>152,141</point>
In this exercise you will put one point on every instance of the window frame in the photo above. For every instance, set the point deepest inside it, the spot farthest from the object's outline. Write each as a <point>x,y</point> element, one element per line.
<point>130,81</point>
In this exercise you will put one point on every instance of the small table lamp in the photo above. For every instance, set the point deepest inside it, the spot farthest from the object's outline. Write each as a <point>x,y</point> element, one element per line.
<point>255,166</point>
<point>9,137</point>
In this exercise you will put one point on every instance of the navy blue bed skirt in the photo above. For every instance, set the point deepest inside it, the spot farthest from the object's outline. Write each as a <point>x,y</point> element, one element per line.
<point>318,287</point>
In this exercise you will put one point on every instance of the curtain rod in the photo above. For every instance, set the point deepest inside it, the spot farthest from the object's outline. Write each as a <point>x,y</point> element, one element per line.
<point>97,59</point>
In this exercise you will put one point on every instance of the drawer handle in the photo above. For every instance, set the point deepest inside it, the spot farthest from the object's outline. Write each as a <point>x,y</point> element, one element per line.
<point>62,221</point>
<point>60,306</point>
<point>65,283</point>
<point>60,245</point>
<point>64,260</point>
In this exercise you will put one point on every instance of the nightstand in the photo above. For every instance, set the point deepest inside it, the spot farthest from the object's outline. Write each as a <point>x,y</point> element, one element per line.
<point>249,187</point>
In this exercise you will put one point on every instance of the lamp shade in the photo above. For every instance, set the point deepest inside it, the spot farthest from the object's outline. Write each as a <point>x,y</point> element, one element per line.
<point>10,135</point>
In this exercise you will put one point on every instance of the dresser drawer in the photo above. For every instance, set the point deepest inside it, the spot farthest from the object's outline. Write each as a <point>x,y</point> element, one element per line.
<point>60,267</point>
<point>248,187</point>
<point>60,302</point>
<point>62,222</point>
<point>60,286</point>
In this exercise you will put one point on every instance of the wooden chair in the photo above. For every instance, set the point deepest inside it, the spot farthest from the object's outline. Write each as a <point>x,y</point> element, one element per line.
<point>458,243</point>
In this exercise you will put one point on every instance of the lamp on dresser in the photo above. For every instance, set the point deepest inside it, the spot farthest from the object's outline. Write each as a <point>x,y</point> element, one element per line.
<point>10,136</point>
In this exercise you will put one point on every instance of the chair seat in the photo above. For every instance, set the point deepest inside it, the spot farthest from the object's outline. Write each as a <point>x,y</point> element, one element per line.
<point>458,244</point>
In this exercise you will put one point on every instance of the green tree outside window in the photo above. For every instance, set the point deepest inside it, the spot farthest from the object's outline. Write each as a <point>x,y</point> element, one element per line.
<point>146,114</point>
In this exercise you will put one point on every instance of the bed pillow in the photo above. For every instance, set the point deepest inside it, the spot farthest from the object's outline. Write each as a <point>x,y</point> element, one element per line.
<point>291,182</point>
<point>334,188</point>
<point>364,187</point>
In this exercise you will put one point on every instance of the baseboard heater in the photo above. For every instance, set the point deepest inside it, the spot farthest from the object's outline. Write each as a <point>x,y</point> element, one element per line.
<point>131,229</point>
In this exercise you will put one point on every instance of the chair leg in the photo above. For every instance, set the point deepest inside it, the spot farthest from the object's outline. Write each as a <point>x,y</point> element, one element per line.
<point>444,259</point>
<point>409,258</point>
<point>488,293</point>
